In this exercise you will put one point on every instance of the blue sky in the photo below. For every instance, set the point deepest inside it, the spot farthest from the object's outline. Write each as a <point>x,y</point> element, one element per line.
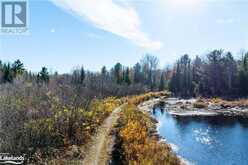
<point>68,33</point>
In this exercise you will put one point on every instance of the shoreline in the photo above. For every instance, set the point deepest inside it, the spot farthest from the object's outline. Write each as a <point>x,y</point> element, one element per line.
<point>147,107</point>
<point>186,108</point>
<point>205,107</point>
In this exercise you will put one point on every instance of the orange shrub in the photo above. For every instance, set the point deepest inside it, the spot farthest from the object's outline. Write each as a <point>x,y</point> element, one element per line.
<point>139,147</point>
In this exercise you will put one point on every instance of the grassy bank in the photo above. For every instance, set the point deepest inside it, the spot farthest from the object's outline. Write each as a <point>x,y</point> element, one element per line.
<point>136,143</point>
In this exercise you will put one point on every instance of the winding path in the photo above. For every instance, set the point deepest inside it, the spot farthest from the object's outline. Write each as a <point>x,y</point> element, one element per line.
<point>102,143</point>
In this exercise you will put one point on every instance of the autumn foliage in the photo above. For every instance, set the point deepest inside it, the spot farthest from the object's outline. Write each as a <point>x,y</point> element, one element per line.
<point>43,126</point>
<point>47,125</point>
<point>137,144</point>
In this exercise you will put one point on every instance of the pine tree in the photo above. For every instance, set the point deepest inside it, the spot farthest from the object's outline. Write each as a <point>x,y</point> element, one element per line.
<point>7,73</point>
<point>18,68</point>
<point>243,75</point>
<point>43,75</point>
<point>82,75</point>
<point>118,73</point>
<point>104,71</point>
<point>127,77</point>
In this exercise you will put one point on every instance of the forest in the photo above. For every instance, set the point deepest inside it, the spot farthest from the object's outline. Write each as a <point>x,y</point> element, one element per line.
<point>217,73</point>
<point>42,112</point>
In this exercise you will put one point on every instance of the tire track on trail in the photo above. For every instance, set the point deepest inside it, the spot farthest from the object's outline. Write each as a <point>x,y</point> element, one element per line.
<point>101,145</point>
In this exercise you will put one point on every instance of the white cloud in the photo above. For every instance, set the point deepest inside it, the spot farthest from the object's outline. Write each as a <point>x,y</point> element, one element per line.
<point>121,20</point>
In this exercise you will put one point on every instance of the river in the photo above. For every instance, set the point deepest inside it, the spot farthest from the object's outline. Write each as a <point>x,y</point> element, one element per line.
<point>206,140</point>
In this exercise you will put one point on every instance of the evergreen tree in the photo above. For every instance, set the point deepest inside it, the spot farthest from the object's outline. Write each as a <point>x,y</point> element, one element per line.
<point>18,68</point>
<point>181,82</point>
<point>118,73</point>
<point>82,75</point>
<point>7,73</point>
<point>43,75</point>
<point>104,71</point>
<point>243,75</point>
<point>214,72</point>
<point>229,72</point>
<point>1,65</point>
<point>103,78</point>
<point>127,77</point>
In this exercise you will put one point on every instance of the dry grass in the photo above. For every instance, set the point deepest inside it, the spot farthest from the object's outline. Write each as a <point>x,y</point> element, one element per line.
<point>200,104</point>
<point>228,103</point>
<point>141,98</point>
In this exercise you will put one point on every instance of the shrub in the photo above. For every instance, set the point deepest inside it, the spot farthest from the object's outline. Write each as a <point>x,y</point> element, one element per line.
<point>36,118</point>
<point>42,133</point>
<point>39,119</point>
<point>138,146</point>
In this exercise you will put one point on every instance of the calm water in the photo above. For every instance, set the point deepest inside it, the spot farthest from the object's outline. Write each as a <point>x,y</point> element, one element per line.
<point>206,140</point>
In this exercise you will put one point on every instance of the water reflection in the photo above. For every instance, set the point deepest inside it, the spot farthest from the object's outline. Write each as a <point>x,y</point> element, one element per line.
<point>157,108</point>
<point>219,121</point>
<point>205,140</point>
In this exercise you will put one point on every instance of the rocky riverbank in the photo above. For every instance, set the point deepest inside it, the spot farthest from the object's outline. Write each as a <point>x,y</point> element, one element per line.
<point>204,107</point>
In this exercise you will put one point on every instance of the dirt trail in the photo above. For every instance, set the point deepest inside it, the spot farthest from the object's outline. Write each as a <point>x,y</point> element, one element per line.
<point>102,143</point>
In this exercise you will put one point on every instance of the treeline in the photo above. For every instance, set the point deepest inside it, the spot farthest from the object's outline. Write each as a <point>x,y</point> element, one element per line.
<point>215,74</point>
<point>9,72</point>
<point>143,76</point>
